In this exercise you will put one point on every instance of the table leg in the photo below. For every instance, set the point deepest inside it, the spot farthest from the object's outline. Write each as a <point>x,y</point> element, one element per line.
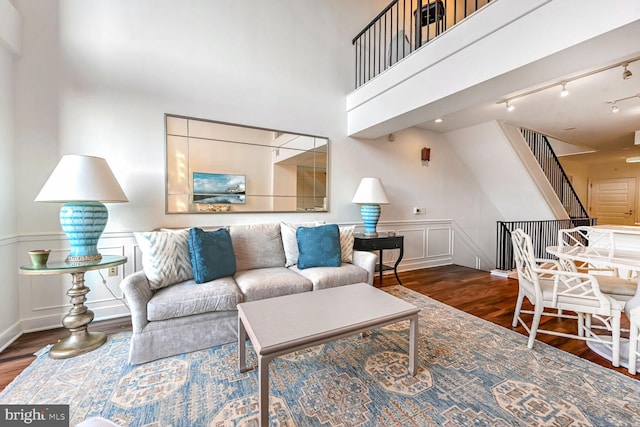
<point>380,265</point>
<point>263,391</point>
<point>395,266</point>
<point>76,321</point>
<point>242,339</point>
<point>413,345</point>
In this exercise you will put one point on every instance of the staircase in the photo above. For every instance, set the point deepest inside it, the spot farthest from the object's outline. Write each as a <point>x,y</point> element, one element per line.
<point>543,233</point>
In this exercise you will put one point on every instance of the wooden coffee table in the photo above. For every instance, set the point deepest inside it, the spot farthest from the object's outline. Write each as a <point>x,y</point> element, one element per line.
<point>282,325</point>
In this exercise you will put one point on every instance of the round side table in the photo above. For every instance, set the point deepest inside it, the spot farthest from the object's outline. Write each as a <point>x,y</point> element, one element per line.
<point>79,317</point>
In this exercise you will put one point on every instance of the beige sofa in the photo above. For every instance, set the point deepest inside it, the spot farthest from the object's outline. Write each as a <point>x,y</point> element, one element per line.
<point>188,316</point>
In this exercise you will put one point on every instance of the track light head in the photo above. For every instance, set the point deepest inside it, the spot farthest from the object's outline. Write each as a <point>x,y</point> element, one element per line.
<point>614,108</point>
<point>626,74</point>
<point>510,107</point>
<point>564,92</point>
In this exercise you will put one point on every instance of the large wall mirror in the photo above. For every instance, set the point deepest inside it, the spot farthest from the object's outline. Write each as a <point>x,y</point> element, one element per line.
<point>215,167</point>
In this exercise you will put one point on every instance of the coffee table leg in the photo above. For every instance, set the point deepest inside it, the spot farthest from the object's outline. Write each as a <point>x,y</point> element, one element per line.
<point>242,339</point>
<point>413,344</point>
<point>263,392</point>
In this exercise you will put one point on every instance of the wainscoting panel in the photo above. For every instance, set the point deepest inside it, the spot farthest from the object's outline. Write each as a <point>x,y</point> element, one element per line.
<point>427,243</point>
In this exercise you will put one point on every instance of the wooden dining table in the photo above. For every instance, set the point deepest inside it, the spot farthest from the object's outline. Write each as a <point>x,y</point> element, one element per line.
<point>625,258</point>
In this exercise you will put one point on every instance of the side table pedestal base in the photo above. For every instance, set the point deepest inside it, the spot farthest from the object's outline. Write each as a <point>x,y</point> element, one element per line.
<point>76,344</point>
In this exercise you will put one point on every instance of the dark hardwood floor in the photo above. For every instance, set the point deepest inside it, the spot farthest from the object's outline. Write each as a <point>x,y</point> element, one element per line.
<point>473,291</point>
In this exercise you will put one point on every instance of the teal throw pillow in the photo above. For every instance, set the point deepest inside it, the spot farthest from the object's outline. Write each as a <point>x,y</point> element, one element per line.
<point>319,246</point>
<point>212,254</point>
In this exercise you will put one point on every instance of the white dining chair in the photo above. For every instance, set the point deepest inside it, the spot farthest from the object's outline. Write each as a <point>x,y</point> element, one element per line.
<point>599,243</point>
<point>634,339</point>
<point>555,292</point>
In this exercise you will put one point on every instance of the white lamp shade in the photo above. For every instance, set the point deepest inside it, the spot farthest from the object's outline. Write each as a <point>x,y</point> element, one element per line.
<point>81,178</point>
<point>371,191</point>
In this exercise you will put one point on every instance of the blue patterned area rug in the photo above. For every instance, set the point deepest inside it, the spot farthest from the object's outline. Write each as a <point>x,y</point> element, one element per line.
<point>472,373</point>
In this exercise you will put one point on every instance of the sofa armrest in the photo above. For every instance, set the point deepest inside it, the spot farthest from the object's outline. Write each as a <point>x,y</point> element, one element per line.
<point>366,260</point>
<point>137,292</point>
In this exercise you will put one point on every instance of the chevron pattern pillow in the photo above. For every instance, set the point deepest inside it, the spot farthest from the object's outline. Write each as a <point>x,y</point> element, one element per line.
<point>165,257</point>
<point>346,242</point>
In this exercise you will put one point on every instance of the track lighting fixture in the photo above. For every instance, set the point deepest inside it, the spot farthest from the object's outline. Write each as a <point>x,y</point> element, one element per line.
<point>614,103</point>
<point>626,74</point>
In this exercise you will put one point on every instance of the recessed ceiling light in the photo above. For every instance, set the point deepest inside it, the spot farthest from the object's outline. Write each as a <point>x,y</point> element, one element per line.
<point>438,120</point>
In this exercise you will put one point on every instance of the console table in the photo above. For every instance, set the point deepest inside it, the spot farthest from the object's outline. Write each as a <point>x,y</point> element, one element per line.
<point>379,243</point>
<point>77,320</point>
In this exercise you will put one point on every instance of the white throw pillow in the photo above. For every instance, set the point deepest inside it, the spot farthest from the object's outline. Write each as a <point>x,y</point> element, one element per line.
<point>165,257</point>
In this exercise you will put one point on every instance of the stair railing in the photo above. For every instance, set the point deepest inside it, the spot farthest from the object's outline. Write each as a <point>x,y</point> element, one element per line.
<point>548,161</point>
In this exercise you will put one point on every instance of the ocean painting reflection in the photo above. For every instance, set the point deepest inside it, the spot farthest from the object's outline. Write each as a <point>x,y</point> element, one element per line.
<point>212,188</point>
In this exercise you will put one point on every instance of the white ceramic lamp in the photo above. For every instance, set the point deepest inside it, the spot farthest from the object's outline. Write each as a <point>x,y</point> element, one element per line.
<point>370,195</point>
<point>82,183</point>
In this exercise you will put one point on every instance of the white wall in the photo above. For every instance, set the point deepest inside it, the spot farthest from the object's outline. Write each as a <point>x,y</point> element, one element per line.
<point>9,48</point>
<point>97,78</point>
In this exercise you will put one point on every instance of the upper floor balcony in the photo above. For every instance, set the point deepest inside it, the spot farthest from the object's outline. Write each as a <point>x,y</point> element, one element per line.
<point>399,30</point>
<point>461,59</point>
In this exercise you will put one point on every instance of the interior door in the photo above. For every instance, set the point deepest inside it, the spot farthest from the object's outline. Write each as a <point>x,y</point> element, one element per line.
<point>613,201</point>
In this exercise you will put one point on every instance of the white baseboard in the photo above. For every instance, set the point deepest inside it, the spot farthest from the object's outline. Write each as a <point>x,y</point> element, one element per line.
<point>511,274</point>
<point>9,335</point>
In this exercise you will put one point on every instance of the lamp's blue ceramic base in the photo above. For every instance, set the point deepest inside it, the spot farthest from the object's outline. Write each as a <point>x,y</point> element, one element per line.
<point>83,223</point>
<point>370,215</point>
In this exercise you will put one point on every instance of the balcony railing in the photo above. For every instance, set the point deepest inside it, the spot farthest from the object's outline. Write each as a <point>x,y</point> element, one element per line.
<point>399,30</point>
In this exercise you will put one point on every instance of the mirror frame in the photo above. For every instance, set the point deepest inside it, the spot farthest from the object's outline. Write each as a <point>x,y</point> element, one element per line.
<point>285,154</point>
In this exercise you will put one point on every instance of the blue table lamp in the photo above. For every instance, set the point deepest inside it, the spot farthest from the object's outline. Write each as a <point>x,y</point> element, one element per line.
<point>82,183</point>
<point>370,195</point>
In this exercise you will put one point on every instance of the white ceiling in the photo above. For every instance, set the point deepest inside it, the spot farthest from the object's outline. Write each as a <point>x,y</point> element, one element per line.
<point>583,118</point>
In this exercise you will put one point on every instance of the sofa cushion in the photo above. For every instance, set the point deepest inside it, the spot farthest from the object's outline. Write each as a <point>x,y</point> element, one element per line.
<point>212,254</point>
<point>264,283</point>
<point>165,257</point>
<point>257,246</point>
<point>319,246</point>
<point>330,277</point>
<point>188,298</point>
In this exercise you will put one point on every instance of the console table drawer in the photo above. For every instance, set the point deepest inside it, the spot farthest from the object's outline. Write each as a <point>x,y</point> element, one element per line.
<point>374,244</point>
